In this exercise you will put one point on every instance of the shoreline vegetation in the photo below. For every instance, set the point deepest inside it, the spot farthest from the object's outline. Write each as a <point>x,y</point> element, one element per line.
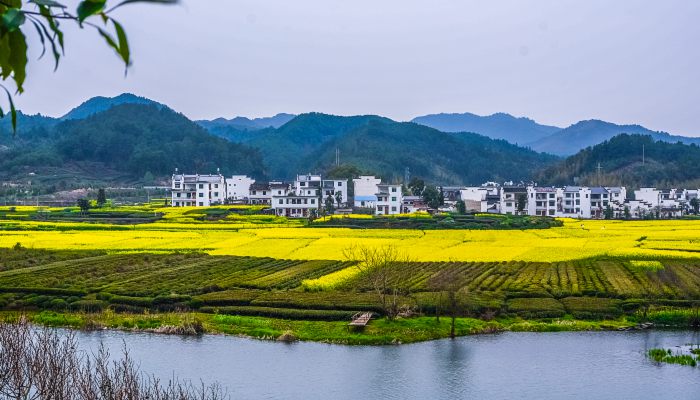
<point>378,332</point>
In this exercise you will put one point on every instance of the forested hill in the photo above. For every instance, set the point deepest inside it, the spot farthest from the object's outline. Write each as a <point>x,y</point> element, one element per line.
<point>515,130</point>
<point>664,165</point>
<point>382,146</point>
<point>99,104</point>
<point>583,134</point>
<point>126,143</point>
<point>388,147</point>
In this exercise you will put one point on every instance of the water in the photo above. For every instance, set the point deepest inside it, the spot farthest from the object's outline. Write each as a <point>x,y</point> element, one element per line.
<point>567,365</point>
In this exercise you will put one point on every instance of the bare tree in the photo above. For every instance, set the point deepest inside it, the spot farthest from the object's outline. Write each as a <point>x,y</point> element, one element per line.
<point>382,268</point>
<point>45,364</point>
<point>452,295</point>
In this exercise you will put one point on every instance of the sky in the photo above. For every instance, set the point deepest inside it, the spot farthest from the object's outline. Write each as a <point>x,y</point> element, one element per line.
<point>555,61</point>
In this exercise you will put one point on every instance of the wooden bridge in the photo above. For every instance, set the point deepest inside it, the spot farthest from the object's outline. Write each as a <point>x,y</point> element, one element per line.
<point>361,319</point>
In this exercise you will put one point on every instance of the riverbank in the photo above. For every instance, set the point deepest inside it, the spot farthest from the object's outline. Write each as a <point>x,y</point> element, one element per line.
<point>378,332</point>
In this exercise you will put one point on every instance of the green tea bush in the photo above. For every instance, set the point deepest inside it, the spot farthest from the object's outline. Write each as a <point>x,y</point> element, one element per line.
<point>283,313</point>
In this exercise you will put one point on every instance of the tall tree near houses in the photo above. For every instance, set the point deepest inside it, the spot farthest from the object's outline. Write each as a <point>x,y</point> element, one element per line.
<point>45,18</point>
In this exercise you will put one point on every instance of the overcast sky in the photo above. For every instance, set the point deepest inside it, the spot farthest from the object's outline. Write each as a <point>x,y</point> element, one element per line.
<point>555,61</point>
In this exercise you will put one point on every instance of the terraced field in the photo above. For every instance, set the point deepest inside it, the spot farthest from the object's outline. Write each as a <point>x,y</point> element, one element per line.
<point>136,282</point>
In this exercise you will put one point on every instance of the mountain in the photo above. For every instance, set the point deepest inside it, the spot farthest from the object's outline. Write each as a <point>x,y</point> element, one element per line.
<point>588,133</point>
<point>379,145</point>
<point>387,148</point>
<point>126,143</point>
<point>243,123</point>
<point>99,104</point>
<point>630,160</point>
<point>286,150</point>
<point>497,126</point>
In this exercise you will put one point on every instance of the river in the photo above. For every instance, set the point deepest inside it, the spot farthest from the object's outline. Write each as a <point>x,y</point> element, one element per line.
<point>567,365</point>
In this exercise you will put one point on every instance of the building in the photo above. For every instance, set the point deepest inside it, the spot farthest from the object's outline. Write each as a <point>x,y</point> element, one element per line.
<point>260,193</point>
<point>197,190</point>
<point>389,200</point>
<point>482,199</point>
<point>302,199</point>
<point>365,191</point>
<point>513,200</point>
<point>541,201</point>
<point>336,189</point>
<point>412,204</point>
<point>238,188</point>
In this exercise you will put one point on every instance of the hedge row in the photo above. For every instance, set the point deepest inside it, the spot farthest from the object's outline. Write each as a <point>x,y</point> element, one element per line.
<point>283,313</point>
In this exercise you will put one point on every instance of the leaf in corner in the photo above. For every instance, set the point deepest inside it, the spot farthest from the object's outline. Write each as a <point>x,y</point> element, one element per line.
<point>123,49</point>
<point>18,58</point>
<point>12,19</point>
<point>87,8</point>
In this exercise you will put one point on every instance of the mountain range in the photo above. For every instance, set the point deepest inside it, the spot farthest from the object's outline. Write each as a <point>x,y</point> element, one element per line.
<point>128,137</point>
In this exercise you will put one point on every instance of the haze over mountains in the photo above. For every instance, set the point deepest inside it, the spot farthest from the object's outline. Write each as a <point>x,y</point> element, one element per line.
<point>127,138</point>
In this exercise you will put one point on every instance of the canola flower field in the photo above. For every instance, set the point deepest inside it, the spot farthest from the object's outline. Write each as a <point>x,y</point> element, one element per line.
<point>214,261</point>
<point>276,237</point>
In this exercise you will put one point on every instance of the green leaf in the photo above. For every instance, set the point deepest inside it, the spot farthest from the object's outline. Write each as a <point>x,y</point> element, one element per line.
<point>125,2</point>
<point>12,19</point>
<point>48,3</point>
<point>109,39</point>
<point>123,43</point>
<point>13,111</point>
<point>41,37</point>
<point>18,58</point>
<point>87,8</point>
<point>5,67</point>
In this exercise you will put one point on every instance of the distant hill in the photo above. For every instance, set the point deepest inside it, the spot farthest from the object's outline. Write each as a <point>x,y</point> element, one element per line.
<point>588,133</point>
<point>243,123</point>
<point>127,143</point>
<point>99,104</point>
<point>520,131</point>
<point>664,164</point>
<point>387,148</point>
<point>377,144</point>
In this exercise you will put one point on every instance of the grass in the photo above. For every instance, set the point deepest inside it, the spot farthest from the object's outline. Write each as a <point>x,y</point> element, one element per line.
<point>669,357</point>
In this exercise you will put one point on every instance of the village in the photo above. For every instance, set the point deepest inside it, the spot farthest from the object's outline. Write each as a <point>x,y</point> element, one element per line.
<point>312,195</point>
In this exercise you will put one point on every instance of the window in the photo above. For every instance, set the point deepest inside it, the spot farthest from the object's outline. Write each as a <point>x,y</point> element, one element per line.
<point>201,186</point>
<point>281,201</point>
<point>201,195</point>
<point>340,183</point>
<point>578,202</point>
<point>509,204</point>
<point>216,186</point>
<point>551,203</point>
<point>201,204</point>
<point>279,192</point>
<point>313,201</point>
<point>393,208</point>
<point>393,190</point>
<point>178,195</point>
<point>393,199</point>
<point>551,195</point>
<point>216,194</point>
<point>264,192</point>
<point>302,183</point>
<point>306,201</point>
<point>551,212</point>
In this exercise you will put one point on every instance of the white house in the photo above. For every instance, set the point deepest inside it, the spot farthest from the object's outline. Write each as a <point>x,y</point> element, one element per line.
<point>510,196</point>
<point>366,189</point>
<point>541,201</point>
<point>337,189</point>
<point>260,193</point>
<point>238,187</point>
<point>664,202</point>
<point>197,190</point>
<point>574,202</point>
<point>300,200</point>
<point>389,200</point>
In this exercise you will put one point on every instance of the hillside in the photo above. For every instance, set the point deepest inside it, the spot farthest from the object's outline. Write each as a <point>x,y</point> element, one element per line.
<point>497,126</point>
<point>387,148</point>
<point>127,143</point>
<point>583,134</point>
<point>665,164</point>
<point>99,104</point>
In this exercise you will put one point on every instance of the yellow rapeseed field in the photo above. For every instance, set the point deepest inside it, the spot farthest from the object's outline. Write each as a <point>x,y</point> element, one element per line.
<point>252,236</point>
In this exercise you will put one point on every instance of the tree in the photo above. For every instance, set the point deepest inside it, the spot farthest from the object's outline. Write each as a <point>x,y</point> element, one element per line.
<point>84,205</point>
<point>461,207</point>
<point>382,268</point>
<point>433,197</point>
<point>627,213</point>
<point>45,18</point>
<point>101,198</point>
<point>608,213</point>
<point>329,204</point>
<point>450,286</point>
<point>416,186</point>
<point>695,205</point>
<point>339,198</point>
<point>521,203</point>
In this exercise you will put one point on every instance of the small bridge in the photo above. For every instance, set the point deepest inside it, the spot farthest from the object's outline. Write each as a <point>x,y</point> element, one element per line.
<point>361,319</point>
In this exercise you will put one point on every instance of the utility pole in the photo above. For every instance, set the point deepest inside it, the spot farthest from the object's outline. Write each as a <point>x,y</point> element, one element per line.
<point>406,176</point>
<point>599,168</point>
<point>643,154</point>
